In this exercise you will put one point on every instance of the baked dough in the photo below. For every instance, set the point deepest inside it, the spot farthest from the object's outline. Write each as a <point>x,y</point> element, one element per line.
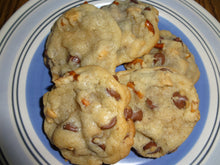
<point>84,35</point>
<point>164,106</point>
<point>138,22</point>
<point>84,117</point>
<point>170,51</point>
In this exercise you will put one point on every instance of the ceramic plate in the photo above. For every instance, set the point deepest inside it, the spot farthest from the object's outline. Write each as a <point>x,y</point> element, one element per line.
<point>24,80</point>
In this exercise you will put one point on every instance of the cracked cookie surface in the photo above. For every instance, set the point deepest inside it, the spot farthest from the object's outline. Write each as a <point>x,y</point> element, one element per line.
<point>170,51</point>
<point>164,106</point>
<point>84,35</point>
<point>84,117</point>
<point>138,22</point>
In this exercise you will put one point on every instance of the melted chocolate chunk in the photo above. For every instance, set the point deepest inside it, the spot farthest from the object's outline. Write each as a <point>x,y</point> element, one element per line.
<point>113,93</point>
<point>128,113</point>
<point>134,1</point>
<point>150,104</point>
<point>75,59</point>
<point>179,100</point>
<point>159,57</point>
<point>70,127</point>
<point>137,116</point>
<point>111,124</point>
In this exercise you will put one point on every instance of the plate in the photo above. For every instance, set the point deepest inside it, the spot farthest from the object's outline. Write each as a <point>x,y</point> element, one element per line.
<point>24,80</point>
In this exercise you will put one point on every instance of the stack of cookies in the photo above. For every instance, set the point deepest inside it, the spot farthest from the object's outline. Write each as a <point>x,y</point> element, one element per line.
<point>94,115</point>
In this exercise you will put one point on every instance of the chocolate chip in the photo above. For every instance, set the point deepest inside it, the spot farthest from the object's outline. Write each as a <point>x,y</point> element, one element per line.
<point>102,146</point>
<point>147,8</point>
<point>149,145</point>
<point>70,127</point>
<point>159,57</point>
<point>135,61</point>
<point>137,116</point>
<point>113,93</point>
<point>111,124</point>
<point>165,69</point>
<point>179,100</point>
<point>85,102</point>
<point>150,104</point>
<point>116,77</point>
<point>177,39</point>
<point>128,113</point>
<point>75,59</point>
<point>134,1</point>
<point>131,85</point>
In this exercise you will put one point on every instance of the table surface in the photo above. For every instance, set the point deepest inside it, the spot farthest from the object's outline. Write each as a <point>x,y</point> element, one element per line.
<point>8,7</point>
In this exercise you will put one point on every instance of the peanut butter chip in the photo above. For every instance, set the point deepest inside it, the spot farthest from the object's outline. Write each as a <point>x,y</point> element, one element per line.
<point>74,74</point>
<point>85,102</point>
<point>70,127</point>
<point>179,100</point>
<point>149,26</point>
<point>111,124</point>
<point>113,93</point>
<point>51,114</point>
<point>132,86</point>
<point>159,45</point>
<point>137,60</point>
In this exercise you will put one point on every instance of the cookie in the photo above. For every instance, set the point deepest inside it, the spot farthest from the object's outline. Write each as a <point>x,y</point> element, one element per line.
<point>164,106</point>
<point>84,117</point>
<point>138,22</point>
<point>170,51</point>
<point>84,35</point>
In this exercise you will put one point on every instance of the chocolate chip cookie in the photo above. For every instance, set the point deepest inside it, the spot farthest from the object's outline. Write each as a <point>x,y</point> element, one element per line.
<point>138,22</point>
<point>164,106</point>
<point>84,35</point>
<point>170,51</point>
<point>85,119</point>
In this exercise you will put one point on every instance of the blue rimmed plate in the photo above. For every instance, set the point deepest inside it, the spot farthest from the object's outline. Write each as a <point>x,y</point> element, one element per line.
<point>24,80</point>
